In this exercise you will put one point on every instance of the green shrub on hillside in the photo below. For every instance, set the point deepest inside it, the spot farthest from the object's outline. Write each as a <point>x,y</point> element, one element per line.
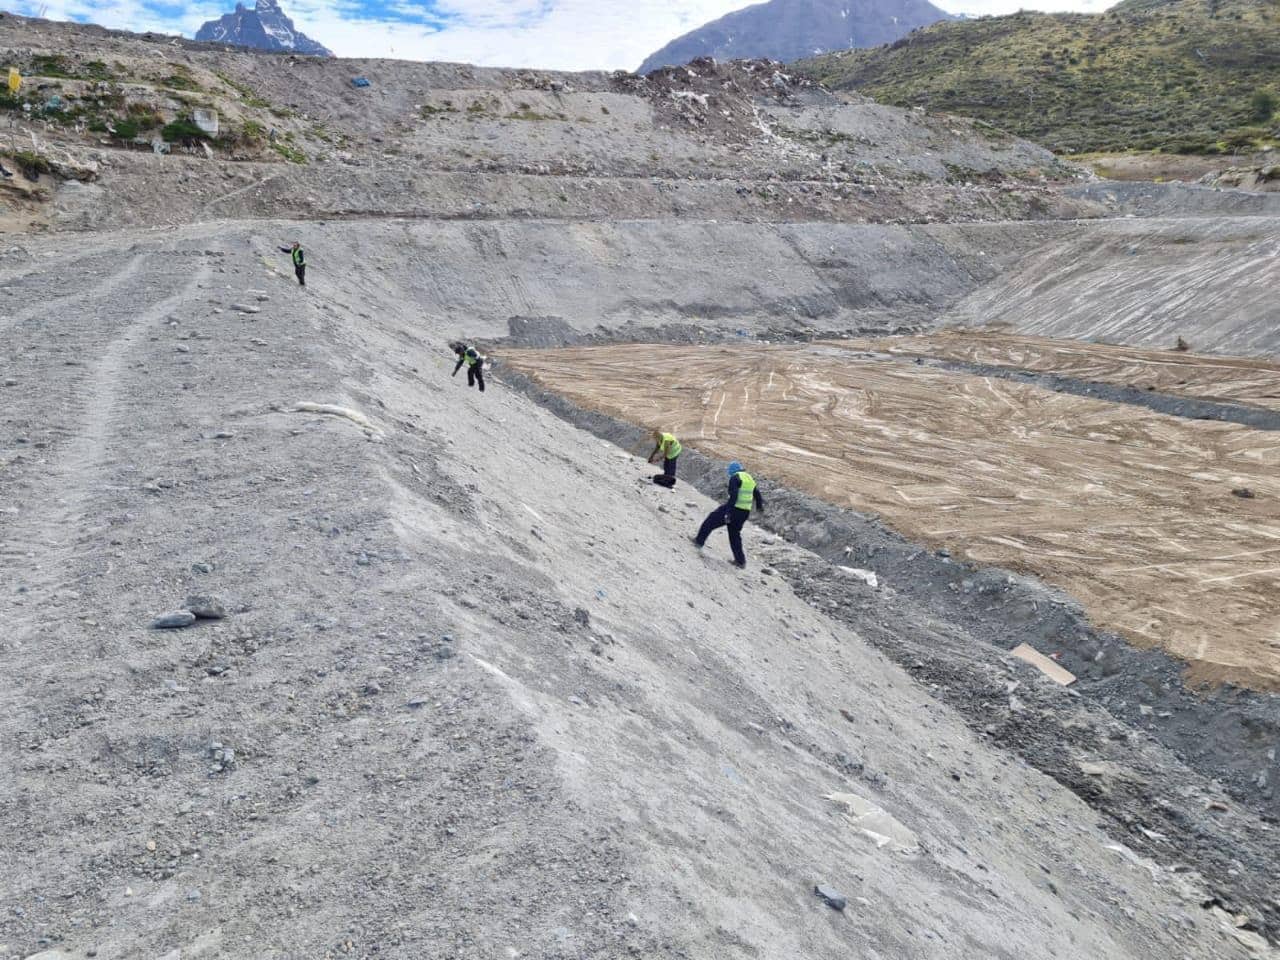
<point>29,162</point>
<point>1264,106</point>
<point>1150,74</point>
<point>182,130</point>
<point>289,152</point>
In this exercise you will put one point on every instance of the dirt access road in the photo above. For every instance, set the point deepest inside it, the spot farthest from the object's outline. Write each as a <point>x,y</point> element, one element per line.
<point>1130,511</point>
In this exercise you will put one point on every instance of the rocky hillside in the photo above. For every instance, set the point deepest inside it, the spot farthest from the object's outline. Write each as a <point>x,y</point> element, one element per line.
<point>790,29</point>
<point>294,138</point>
<point>1186,76</point>
<point>265,27</point>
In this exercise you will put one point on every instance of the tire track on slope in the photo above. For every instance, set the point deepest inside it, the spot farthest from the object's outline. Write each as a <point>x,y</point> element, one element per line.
<point>39,539</point>
<point>103,289</point>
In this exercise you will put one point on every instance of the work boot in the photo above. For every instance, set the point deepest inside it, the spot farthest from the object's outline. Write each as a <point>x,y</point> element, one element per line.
<point>741,565</point>
<point>694,541</point>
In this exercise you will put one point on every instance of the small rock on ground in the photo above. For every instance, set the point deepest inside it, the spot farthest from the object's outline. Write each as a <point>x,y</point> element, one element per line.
<point>174,620</point>
<point>206,608</point>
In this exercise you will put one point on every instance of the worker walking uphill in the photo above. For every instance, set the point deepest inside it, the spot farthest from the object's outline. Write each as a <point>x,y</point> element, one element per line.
<point>667,445</point>
<point>474,360</point>
<point>299,262</point>
<point>743,496</point>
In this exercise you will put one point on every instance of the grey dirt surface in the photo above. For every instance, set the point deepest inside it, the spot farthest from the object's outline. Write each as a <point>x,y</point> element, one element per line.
<point>474,694</point>
<point>443,675</point>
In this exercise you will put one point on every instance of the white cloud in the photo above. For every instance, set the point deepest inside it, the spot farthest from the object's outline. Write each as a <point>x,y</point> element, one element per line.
<point>564,34</point>
<point>551,34</point>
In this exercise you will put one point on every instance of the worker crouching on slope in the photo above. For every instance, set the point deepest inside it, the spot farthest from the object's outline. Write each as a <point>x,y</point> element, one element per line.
<point>669,447</point>
<point>743,496</point>
<point>475,364</point>
<point>299,262</point>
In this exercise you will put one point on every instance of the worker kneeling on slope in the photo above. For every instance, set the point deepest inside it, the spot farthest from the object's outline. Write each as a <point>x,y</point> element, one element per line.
<point>667,445</point>
<point>743,496</point>
<point>475,364</point>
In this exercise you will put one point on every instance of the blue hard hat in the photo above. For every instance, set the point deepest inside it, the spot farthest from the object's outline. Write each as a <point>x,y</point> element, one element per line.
<point>733,468</point>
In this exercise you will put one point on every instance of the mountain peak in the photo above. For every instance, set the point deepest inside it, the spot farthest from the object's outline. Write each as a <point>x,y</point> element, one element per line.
<point>265,26</point>
<point>791,29</point>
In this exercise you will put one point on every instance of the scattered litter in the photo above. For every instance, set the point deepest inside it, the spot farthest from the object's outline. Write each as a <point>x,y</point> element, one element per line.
<point>360,82</point>
<point>1031,655</point>
<point>345,413</point>
<point>834,898</point>
<point>206,120</point>
<point>866,576</point>
<point>174,620</point>
<point>875,824</point>
<point>1244,493</point>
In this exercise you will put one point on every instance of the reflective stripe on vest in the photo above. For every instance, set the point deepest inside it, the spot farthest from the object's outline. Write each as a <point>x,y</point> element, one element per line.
<point>297,257</point>
<point>746,493</point>
<point>670,446</point>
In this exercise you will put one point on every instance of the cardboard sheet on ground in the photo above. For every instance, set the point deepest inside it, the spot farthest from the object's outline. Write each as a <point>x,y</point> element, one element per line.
<point>875,823</point>
<point>1044,664</point>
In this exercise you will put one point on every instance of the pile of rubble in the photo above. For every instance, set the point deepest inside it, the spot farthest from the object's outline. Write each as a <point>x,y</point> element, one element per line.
<point>1263,177</point>
<point>719,98</point>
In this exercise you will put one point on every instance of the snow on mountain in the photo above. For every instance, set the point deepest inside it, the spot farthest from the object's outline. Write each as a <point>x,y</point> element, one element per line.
<point>265,27</point>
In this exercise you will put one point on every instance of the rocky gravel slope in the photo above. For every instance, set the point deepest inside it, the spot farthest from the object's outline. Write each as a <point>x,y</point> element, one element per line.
<point>473,695</point>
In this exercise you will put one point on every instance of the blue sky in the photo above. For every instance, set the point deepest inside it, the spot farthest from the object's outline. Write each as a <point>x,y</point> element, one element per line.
<point>554,34</point>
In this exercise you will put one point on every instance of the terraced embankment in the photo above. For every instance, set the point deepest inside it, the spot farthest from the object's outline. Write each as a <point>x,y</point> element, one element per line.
<point>1209,281</point>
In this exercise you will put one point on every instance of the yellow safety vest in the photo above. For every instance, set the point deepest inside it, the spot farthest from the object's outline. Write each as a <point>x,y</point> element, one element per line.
<point>746,492</point>
<point>670,446</point>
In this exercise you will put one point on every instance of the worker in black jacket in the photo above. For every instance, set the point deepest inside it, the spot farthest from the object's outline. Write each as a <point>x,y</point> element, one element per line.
<point>744,495</point>
<point>474,360</point>
<point>299,262</point>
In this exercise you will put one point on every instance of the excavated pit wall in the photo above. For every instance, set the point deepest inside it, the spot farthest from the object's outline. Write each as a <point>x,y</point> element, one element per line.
<point>1150,755</point>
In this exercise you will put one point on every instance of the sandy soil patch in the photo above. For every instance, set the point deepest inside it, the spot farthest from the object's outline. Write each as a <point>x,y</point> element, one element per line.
<point>1130,511</point>
<point>1254,383</point>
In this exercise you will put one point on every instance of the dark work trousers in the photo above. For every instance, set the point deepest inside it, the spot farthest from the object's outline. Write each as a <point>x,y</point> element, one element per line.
<point>733,518</point>
<point>667,478</point>
<point>300,270</point>
<point>475,376</point>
